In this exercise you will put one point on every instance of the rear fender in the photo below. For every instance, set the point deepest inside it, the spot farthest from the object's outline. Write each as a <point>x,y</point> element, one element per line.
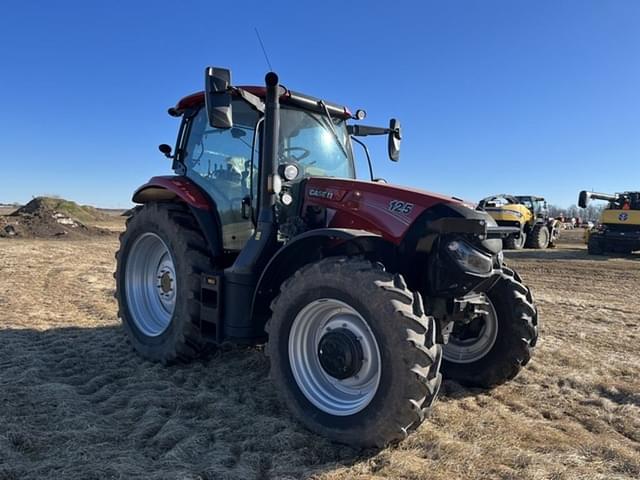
<point>310,247</point>
<point>170,187</point>
<point>181,189</point>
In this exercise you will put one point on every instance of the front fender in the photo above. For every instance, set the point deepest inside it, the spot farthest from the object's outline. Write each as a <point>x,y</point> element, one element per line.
<point>306,248</point>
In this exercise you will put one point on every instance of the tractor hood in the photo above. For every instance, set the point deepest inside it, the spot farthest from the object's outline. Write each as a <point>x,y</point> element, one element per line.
<point>380,208</point>
<point>511,212</point>
<point>335,186</point>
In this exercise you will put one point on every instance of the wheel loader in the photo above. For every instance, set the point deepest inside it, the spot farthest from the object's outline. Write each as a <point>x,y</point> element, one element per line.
<point>529,214</point>
<point>619,227</point>
<point>363,293</point>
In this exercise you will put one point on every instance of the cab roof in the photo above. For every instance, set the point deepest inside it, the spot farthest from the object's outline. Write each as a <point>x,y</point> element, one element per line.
<point>532,197</point>
<point>288,97</point>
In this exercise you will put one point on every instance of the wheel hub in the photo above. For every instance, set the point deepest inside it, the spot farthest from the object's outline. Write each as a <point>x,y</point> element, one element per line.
<point>165,285</point>
<point>165,282</point>
<point>340,353</point>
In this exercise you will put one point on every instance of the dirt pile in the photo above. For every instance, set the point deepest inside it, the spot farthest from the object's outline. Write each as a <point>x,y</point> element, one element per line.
<point>45,217</point>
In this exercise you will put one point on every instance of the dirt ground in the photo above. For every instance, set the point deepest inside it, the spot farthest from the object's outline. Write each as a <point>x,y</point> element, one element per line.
<point>77,403</point>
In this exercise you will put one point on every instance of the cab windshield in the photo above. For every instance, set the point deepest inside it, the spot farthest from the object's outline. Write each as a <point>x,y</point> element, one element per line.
<point>526,201</point>
<point>308,139</point>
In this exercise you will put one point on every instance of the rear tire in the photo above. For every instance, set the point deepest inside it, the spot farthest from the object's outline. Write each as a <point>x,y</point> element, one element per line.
<point>161,314</point>
<point>516,334</point>
<point>539,237</point>
<point>513,243</point>
<point>408,377</point>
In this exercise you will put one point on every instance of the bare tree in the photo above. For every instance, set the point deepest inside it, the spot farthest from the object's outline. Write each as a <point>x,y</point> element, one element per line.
<point>590,214</point>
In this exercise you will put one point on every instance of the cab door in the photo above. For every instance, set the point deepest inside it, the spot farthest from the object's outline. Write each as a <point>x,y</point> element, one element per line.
<point>220,161</point>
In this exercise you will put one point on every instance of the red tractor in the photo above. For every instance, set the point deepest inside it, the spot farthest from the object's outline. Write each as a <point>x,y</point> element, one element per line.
<point>362,291</point>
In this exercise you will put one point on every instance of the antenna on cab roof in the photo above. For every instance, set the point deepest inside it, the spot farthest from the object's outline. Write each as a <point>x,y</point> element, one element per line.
<point>266,57</point>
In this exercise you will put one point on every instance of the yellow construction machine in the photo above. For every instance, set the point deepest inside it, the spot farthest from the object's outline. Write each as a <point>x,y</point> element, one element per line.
<point>527,212</point>
<point>619,227</point>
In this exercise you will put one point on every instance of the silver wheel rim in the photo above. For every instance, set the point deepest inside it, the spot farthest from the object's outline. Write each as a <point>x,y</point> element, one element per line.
<point>472,349</point>
<point>150,284</point>
<point>333,396</point>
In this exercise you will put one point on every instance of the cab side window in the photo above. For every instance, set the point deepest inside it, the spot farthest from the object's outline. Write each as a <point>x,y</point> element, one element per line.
<point>220,159</point>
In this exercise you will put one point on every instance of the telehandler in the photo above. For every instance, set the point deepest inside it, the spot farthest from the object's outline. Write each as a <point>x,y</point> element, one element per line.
<point>264,235</point>
<point>619,228</point>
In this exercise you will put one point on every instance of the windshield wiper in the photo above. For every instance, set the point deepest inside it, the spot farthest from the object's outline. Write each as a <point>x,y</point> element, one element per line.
<point>332,127</point>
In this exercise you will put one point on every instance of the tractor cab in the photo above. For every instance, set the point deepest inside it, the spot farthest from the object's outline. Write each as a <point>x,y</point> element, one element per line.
<point>625,201</point>
<point>537,205</point>
<point>224,162</point>
<point>314,140</point>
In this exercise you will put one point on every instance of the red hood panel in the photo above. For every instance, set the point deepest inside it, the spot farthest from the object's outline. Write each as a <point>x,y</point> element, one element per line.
<point>380,208</point>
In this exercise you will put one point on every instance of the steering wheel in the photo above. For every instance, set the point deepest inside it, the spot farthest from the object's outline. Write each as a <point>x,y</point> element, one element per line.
<point>285,153</point>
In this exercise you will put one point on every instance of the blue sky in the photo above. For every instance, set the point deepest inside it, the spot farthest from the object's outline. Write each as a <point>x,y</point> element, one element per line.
<point>494,96</point>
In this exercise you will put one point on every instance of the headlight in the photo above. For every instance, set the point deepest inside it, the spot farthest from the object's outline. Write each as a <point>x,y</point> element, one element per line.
<point>470,259</point>
<point>291,172</point>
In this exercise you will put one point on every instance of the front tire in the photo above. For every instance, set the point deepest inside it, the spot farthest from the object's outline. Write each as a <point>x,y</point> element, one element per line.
<point>495,352</point>
<point>352,352</point>
<point>539,237</point>
<point>513,243</point>
<point>161,256</point>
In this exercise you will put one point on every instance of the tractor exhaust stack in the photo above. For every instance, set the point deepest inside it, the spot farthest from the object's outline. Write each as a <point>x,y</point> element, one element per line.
<point>269,181</point>
<point>241,278</point>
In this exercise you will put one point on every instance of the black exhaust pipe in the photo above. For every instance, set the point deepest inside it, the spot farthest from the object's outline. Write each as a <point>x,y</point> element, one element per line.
<point>269,180</point>
<point>241,278</point>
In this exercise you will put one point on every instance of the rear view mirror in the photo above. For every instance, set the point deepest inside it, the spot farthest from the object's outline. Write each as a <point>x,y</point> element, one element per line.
<point>165,149</point>
<point>217,97</point>
<point>395,135</point>
<point>583,199</point>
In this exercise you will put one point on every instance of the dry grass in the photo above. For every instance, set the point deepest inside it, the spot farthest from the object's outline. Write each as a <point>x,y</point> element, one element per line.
<point>76,402</point>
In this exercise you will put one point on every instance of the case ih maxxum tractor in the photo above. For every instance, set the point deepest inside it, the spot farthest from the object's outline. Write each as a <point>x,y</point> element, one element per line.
<point>265,236</point>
